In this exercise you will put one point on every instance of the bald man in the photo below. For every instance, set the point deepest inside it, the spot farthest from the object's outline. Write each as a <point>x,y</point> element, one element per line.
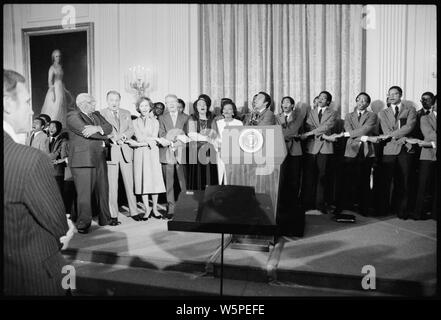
<point>87,160</point>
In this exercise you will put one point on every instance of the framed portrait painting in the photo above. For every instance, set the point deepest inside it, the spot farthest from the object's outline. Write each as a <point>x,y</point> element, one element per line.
<point>59,65</point>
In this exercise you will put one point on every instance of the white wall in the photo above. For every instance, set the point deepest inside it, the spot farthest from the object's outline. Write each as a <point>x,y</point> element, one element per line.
<point>162,37</point>
<point>401,50</point>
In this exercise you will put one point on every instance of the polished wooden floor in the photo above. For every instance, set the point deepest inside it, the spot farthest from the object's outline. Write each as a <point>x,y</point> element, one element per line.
<point>331,255</point>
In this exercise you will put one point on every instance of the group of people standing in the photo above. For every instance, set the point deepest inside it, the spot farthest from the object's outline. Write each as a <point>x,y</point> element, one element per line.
<point>387,161</point>
<point>376,154</point>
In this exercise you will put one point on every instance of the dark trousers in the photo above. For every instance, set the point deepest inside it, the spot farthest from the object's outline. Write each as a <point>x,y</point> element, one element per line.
<point>87,181</point>
<point>168,171</point>
<point>315,180</point>
<point>290,214</point>
<point>289,181</point>
<point>426,188</point>
<point>396,169</point>
<point>356,178</point>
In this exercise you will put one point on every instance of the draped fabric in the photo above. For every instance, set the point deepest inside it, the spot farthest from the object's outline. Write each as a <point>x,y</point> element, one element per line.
<point>296,50</point>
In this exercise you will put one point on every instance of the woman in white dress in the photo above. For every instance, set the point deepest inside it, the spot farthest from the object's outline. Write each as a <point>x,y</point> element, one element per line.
<point>57,97</point>
<point>147,171</point>
<point>229,111</point>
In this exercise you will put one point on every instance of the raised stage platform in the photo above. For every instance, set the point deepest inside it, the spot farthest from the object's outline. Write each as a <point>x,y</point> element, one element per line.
<point>144,258</point>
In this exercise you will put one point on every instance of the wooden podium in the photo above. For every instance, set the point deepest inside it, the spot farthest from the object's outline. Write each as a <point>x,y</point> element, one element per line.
<point>253,156</point>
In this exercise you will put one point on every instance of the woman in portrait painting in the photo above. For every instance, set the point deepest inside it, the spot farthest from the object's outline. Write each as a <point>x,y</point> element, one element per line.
<point>58,99</point>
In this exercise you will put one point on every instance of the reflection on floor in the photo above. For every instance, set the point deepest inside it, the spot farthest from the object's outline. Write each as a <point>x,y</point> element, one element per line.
<point>143,258</point>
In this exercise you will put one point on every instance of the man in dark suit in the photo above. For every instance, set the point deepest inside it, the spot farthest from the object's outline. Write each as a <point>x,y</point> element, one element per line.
<point>171,125</point>
<point>291,120</point>
<point>397,123</point>
<point>35,224</point>
<point>427,170</point>
<point>58,151</point>
<point>261,114</point>
<point>319,125</point>
<point>87,160</point>
<point>359,126</point>
<point>289,213</point>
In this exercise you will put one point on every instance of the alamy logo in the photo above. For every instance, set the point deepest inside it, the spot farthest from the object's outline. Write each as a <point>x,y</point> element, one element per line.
<point>69,280</point>
<point>368,281</point>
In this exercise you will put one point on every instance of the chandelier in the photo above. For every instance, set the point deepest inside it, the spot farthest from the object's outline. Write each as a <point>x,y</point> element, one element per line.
<point>137,81</point>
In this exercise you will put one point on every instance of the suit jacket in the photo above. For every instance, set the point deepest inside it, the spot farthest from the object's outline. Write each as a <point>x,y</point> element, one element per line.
<point>266,118</point>
<point>40,142</point>
<point>170,132</point>
<point>86,152</point>
<point>126,129</point>
<point>57,151</point>
<point>428,128</point>
<point>34,220</point>
<point>291,129</point>
<point>316,144</point>
<point>406,116</point>
<point>356,129</point>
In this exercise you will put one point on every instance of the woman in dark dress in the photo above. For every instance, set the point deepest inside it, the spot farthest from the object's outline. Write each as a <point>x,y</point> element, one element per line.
<point>201,154</point>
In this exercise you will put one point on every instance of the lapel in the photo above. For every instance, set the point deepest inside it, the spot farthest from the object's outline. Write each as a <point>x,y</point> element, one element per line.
<point>354,119</point>
<point>179,120</point>
<point>403,109</point>
<point>432,120</point>
<point>364,117</point>
<point>86,118</point>
<point>314,115</point>
<point>326,114</point>
<point>390,116</point>
<point>111,119</point>
<point>261,115</point>
<point>168,121</point>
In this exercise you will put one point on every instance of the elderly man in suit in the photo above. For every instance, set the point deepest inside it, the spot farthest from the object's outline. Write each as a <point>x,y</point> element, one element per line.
<point>38,138</point>
<point>172,124</point>
<point>360,128</point>
<point>397,122</point>
<point>87,160</point>
<point>319,147</point>
<point>261,114</point>
<point>35,224</point>
<point>427,174</point>
<point>121,155</point>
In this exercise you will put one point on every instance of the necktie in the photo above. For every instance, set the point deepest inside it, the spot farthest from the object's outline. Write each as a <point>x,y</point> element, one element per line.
<point>396,112</point>
<point>32,138</point>
<point>320,115</point>
<point>427,112</point>
<point>90,115</point>
<point>51,143</point>
<point>286,119</point>
<point>359,116</point>
<point>115,115</point>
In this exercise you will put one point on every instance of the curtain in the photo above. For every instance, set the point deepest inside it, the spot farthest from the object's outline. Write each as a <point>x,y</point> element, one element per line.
<point>295,50</point>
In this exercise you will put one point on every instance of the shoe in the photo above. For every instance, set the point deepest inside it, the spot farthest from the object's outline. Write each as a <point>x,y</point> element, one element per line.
<point>152,215</point>
<point>138,217</point>
<point>114,222</point>
<point>83,231</point>
<point>168,216</point>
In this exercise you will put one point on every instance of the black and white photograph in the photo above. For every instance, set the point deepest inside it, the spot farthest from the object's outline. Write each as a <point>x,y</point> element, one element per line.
<point>190,150</point>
